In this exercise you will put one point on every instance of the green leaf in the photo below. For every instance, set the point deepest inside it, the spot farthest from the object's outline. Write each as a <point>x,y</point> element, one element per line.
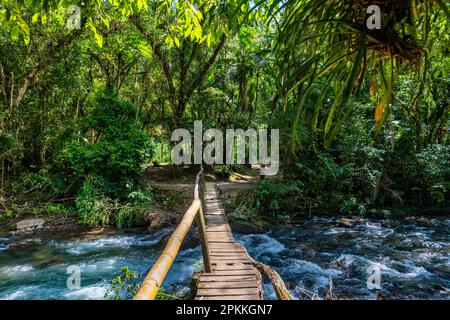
<point>140,4</point>
<point>106,22</point>
<point>169,42</point>
<point>177,42</point>
<point>99,39</point>
<point>15,33</point>
<point>43,18</point>
<point>25,31</point>
<point>35,18</point>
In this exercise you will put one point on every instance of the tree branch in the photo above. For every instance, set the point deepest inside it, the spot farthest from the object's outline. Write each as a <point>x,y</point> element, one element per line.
<point>198,82</point>
<point>156,49</point>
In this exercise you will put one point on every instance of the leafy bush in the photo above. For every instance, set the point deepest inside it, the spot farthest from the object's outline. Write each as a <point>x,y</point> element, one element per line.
<point>57,208</point>
<point>108,156</point>
<point>35,181</point>
<point>133,212</point>
<point>93,207</point>
<point>428,175</point>
<point>271,195</point>
<point>333,182</point>
<point>123,286</point>
<point>113,146</point>
<point>6,215</point>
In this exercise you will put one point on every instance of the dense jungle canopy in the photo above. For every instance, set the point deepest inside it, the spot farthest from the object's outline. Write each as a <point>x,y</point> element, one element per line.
<point>86,104</point>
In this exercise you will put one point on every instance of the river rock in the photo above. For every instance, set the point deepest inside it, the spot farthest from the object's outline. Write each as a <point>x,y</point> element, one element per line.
<point>158,218</point>
<point>29,225</point>
<point>346,222</point>
<point>342,262</point>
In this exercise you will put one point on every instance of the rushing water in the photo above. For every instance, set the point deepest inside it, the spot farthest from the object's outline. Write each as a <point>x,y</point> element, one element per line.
<point>412,254</point>
<point>37,268</point>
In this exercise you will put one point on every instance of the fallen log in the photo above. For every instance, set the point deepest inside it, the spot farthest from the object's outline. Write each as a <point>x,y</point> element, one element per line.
<point>276,280</point>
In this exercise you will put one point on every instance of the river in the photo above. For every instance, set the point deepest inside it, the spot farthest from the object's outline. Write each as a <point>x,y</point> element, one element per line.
<point>412,256</point>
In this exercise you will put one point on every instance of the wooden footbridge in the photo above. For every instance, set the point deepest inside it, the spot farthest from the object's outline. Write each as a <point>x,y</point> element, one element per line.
<point>230,273</point>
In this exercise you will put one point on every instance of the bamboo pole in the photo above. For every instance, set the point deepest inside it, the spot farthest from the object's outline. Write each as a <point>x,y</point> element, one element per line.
<point>199,195</point>
<point>152,282</point>
<point>203,241</point>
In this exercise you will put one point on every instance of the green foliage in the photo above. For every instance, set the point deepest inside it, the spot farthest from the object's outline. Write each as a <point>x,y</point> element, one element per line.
<point>123,286</point>
<point>6,215</point>
<point>36,182</point>
<point>338,49</point>
<point>309,68</point>
<point>93,207</point>
<point>132,213</point>
<point>271,195</point>
<point>57,209</point>
<point>117,150</point>
<point>109,158</point>
<point>428,174</point>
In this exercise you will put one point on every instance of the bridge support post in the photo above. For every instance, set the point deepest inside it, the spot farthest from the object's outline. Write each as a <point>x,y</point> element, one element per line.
<point>201,224</point>
<point>204,243</point>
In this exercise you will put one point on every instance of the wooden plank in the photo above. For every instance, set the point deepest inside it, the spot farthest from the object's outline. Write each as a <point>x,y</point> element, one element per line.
<point>235,272</point>
<point>227,252</point>
<point>226,259</point>
<point>222,263</point>
<point>226,291</point>
<point>232,266</point>
<point>231,244</point>
<point>231,255</point>
<point>228,278</point>
<point>218,246</point>
<point>220,252</point>
<point>227,245</point>
<point>220,241</point>
<point>232,263</point>
<point>217,221</point>
<point>225,248</point>
<point>218,233</point>
<point>230,259</point>
<point>223,228</point>
<point>215,214</point>
<point>227,284</point>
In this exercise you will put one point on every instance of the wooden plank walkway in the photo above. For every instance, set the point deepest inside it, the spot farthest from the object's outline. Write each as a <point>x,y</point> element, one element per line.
<point>233,276</point>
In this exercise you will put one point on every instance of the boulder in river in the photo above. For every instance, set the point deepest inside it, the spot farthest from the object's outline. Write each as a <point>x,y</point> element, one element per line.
<point>29,225</point>
<point>159,218</point>
<point>346,222</point>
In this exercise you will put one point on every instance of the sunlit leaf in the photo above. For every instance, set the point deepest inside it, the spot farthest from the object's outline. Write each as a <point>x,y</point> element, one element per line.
<point>379,110</point>
<point>35,18</point>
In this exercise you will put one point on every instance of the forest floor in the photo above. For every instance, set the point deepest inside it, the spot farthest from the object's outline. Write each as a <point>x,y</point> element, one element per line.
<point>175,185</point>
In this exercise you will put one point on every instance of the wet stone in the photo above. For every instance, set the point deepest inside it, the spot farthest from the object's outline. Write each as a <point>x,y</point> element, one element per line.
<point>29,225</point>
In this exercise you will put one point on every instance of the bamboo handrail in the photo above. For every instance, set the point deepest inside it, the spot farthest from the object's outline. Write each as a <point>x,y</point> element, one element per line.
<point>199,195</point>
<point>152,282</point>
